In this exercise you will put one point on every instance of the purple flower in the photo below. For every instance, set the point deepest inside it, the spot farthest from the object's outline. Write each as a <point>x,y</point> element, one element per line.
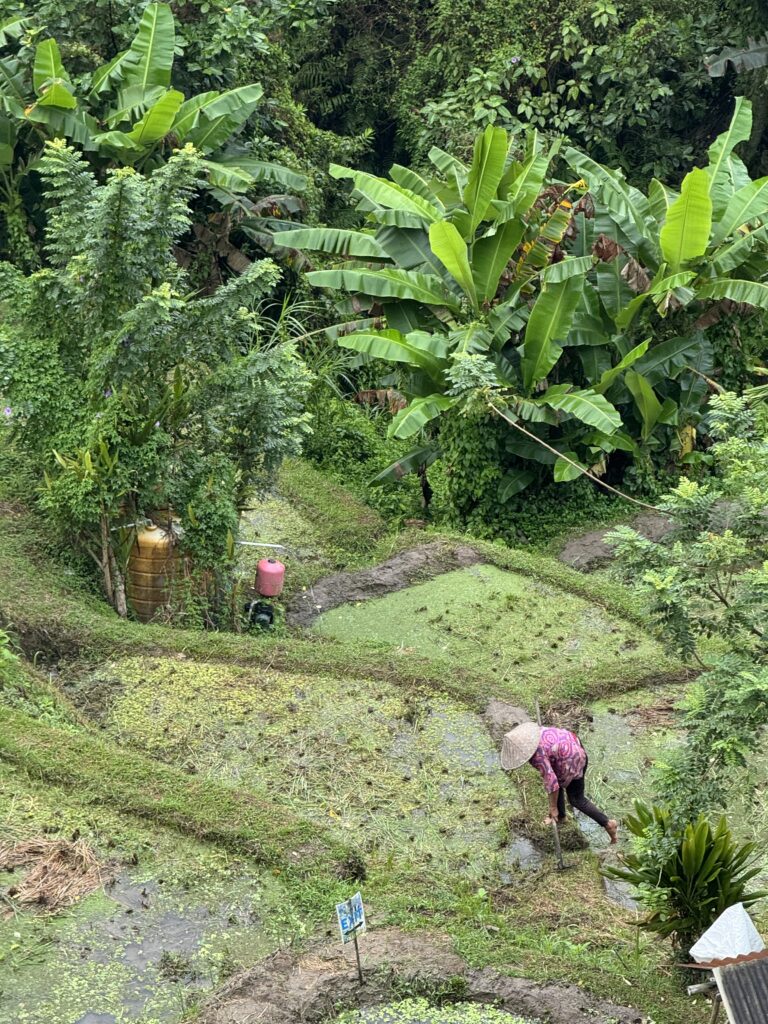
<point>8,411</point>
<point>108,393</point>
<point>514,60</point>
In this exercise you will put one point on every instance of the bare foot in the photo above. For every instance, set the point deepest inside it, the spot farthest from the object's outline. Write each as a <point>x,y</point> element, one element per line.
<point>612,829</point>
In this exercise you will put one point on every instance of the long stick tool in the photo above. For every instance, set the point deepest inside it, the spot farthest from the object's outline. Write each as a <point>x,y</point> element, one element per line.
<point>561,865</point>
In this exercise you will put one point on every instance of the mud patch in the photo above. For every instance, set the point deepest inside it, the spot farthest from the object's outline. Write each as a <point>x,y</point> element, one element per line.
<point>591,550</point>
<point>286,988</point>
<point>402,571</point>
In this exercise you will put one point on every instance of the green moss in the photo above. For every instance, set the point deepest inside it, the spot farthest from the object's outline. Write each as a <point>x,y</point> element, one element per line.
<point>419,1011</point>
<point>536,641</point>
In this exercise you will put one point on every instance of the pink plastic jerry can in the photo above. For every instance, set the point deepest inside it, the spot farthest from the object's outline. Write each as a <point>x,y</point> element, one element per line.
<point>270,576</point>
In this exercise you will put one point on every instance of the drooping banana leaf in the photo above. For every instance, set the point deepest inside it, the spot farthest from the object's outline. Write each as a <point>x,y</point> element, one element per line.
<point>549,324</point>
<point>157,121</point>
<point>449,165</point>
<point>744,206</point>
<point>220,117</point>
<point>666,360</point>
<point>417,349</point>
<point>418,413</point>
<point>565,470</point>
<point>751,293</point>
<point>736,253</point>
<point>425,456</point>
<point>451,249</point>
<point>748,58</point>
<point>387,194</point>
<point>661,287</point>
<point>569,267</point>
<point>660,198</point>
<point>333,240</point>
<point>513,482</point>
<point>409,179</point>
<point>588,406</point>
<point>646,401</point>
<point>388,284</point>
<point>739,130</point>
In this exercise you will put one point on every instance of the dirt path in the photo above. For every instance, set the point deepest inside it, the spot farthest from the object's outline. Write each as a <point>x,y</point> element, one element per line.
<point>285,989</point>
<point>403,570</point>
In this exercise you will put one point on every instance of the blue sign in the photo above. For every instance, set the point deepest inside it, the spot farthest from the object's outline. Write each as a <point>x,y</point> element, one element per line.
<point>351,917</point>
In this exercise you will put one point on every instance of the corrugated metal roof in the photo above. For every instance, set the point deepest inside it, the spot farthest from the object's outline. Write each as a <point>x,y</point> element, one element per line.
<point>744,988</point>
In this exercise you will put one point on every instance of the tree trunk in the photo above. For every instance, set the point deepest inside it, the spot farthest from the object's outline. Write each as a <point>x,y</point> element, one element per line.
<point>106,558</point>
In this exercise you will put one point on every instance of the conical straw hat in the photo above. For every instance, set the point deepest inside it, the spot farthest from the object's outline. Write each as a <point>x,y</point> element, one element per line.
<point>519,745</point>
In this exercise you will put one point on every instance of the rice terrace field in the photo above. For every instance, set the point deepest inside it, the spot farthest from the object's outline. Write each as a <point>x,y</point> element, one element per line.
<point>383,418</point>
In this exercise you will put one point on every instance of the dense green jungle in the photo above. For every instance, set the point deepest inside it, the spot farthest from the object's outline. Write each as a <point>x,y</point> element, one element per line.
<point>383,405</point>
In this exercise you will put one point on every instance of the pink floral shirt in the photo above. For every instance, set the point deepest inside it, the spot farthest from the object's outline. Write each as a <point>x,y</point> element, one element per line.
<point>559,757</point>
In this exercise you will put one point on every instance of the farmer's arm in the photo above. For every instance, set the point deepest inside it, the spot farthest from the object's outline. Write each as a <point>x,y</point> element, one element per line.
<point>541,762</point>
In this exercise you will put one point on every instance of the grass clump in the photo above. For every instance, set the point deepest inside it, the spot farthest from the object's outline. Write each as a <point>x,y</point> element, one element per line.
<point>104,774</point>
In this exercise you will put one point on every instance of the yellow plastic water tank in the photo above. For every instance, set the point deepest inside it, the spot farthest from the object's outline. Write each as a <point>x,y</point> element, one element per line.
<point>152,566</point>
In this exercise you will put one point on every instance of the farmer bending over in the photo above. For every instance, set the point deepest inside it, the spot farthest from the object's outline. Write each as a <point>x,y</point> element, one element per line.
<point>562,761</point>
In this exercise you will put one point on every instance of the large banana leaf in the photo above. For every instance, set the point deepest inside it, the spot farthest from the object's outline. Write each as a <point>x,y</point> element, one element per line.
<point>104,77</point>
<point>549,323</point>
<point>660,198</point>
<point>262,170</point>
<point>388,194</point>
<point>219,117</point>
<point>567,469</point>
<point>744,206</point>
<point>157,121</point>
<point>150,56</point>
<point>451,249</point>
<point>751,293</point>
<point>754,55</point>
<point>492,253</point>
<point>50,80</point>
<point>646,401</point>
<point>522,189</point>
<point>686,232</point>
<point>576,266</point>
<point>414,417</point>
<point>739,130</point>
<point>333,240</point>
<point>418,349</point>
<point>387,283</point>
<point>613,289</point>
<point>587,326</point>
<point>666,360</point>
<point>588,406</point>
<point>12,28</point>
<point>132,103</point>
<point>735,254</point>
<point>485,174</point>
<point>398,219</point>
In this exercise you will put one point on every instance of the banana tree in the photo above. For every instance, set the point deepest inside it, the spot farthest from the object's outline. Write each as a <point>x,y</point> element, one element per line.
<point>468,271</point>
<point>127,112</point>
<point>687,256</point>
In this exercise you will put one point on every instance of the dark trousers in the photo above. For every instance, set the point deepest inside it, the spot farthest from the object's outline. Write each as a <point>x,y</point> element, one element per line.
<point>577,799</point>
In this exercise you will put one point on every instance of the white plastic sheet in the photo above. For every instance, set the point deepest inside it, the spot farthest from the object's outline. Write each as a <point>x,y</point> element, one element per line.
<point>732,934</point>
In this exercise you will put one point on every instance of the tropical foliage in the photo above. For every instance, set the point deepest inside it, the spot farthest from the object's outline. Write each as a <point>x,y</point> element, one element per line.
<point>125,112</point>
<point>699,872</point>
<point>128,391</point>
<point>579,307</point>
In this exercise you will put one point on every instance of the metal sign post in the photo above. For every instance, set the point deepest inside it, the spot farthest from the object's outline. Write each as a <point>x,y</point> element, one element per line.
<point>351,918</point>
